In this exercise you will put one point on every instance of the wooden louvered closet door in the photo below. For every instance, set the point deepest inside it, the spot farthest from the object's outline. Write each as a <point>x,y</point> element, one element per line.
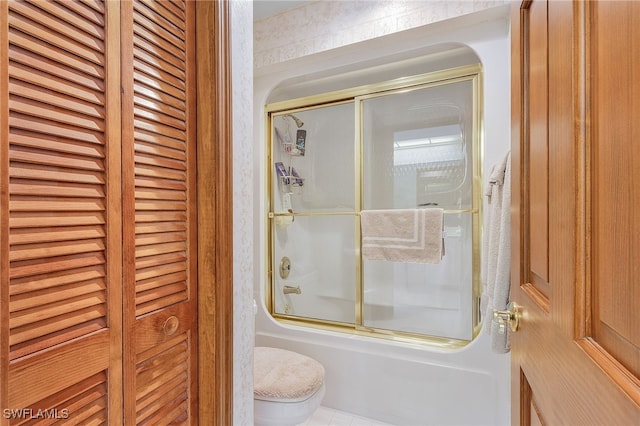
<point>159,191</point>
<point>97,210</point>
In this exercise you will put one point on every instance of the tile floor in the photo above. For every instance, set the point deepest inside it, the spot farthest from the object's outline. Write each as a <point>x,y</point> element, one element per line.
<point>329,417</point>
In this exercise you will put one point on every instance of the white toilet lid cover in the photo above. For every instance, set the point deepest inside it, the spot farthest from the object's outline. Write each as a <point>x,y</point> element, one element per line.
<point>279,374</point>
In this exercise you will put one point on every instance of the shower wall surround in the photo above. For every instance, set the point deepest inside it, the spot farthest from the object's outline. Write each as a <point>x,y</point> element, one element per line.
<point>394,382</point>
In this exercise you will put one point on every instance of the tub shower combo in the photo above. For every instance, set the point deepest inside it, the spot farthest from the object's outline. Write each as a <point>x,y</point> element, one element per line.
<point>409,143</point>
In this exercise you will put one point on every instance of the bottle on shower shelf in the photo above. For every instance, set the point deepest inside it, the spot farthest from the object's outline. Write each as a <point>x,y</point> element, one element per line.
<point>297,180</point>
<point>301,139</point>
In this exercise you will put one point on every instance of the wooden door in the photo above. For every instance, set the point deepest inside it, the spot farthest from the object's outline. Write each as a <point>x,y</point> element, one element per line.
<point>60,215</point>
<point>576,226</point>
<point>159,207</point>
<point>97,212</point>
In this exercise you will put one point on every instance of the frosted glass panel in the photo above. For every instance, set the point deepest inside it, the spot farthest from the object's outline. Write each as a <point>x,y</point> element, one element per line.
<point>422,298</point>
<point>418,153</point>
<point>418,148</point>
<point>317,146</point>
<point>321,250</point>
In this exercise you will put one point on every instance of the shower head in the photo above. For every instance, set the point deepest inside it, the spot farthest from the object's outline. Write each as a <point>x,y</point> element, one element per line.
<point>299,122</point>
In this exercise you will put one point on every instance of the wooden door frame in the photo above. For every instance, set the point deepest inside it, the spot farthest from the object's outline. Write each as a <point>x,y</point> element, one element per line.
<point>215,213</point>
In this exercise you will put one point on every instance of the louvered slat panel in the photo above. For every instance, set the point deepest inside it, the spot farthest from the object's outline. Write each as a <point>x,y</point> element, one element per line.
<point>33,33</point>
<point>159,216</point>
<point>32,269</point>
<point>57,196</point>
<point>30,171</point>
<point>156,277</point>
<point>58,277</point>
<point>59,233</point>
<point>162,280</point>
<point>79,149</point>
<point>151,264</point>
<point>159,172</point>
<point>33,44</point>
<point>163,98</point>
<point>163,371</point>
<point>164,116</point>
<point>41,14</point>
<point>76,404</point>
<point>165,48</point>
<point>59,321</point>
<point>60,204</point>
<point>159,63</point>
<point>152,20</point>
<point>171,19</point>
<point>163,162</point>
<point>45,95</point>
<point>95,5</point>
<point>59,71</point>
<point>143,228</point>
<point>22,122</point>
<point>175,185</point>
<point>53,338</point>
<point>159,186</point>
<point>51,112</point>
<point>52,83</point>
<point>37,298</point>
<point>152,71</point>
<point>93,19</point>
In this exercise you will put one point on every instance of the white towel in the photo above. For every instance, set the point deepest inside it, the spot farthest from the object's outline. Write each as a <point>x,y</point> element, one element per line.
<point>496,271</point>
<point>402,235</point>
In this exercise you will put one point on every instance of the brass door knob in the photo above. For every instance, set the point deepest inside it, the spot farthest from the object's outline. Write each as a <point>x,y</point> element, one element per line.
<point>170,325</point>
<point>509,316</point>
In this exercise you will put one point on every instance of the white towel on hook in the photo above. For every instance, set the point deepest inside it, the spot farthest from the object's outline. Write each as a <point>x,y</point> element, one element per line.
<point>496,271</point>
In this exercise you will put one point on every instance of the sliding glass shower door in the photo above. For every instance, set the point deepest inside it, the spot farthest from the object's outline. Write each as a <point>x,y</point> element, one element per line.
<point>313,213</point>
<point>403,145</point>
<point>418,153</point>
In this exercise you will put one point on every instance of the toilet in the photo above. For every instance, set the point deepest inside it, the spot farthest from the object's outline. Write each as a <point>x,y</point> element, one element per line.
<point>288,387</point>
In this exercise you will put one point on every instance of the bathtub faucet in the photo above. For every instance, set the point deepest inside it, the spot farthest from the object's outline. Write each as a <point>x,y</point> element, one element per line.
<point>287,289</point>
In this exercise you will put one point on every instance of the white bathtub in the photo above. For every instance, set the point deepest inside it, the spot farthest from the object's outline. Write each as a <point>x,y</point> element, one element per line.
<point>397,383</point>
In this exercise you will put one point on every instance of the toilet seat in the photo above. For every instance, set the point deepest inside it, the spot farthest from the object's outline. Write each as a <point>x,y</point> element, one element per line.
<point>288,387</point>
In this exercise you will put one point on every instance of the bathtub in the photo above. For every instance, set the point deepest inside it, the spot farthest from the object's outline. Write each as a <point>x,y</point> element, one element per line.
<point>395,382</point>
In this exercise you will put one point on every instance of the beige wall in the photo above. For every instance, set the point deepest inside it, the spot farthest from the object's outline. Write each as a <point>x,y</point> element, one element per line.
<point>321,25</point>
<point>243,234</point>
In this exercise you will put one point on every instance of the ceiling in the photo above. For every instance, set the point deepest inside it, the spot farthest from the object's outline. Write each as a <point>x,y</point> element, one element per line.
<point>264,8</point>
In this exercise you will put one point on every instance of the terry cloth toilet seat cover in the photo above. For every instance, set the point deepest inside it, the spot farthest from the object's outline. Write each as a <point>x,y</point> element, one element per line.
<point>279,375</point>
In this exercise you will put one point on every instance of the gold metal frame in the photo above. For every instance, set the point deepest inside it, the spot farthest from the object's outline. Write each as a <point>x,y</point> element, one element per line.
<point>356,95</point>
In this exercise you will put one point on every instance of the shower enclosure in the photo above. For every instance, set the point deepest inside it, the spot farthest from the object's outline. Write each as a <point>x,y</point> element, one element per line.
<point>409,143</point>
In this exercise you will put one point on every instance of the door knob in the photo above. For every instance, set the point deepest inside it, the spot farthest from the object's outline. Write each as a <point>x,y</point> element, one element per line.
<point>170,325</point>
<point>509,316</point>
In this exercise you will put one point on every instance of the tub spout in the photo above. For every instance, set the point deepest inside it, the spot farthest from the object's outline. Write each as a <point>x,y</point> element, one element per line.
<point>287,289</point>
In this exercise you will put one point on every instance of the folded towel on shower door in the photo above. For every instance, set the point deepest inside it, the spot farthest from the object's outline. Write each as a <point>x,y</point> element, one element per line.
<point>402,235</point>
